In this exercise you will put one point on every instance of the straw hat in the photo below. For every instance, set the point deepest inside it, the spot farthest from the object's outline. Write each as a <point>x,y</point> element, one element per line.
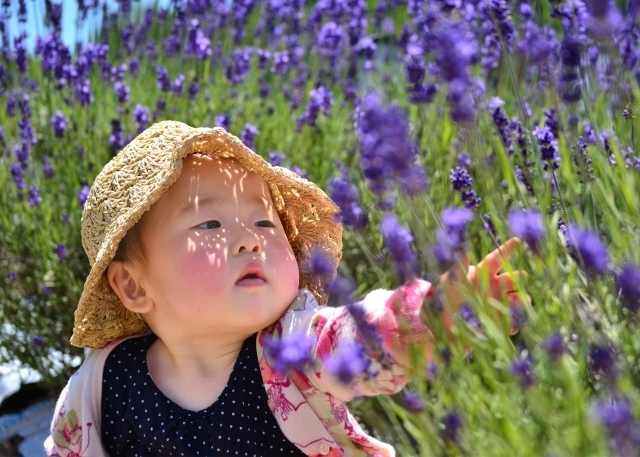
<point>136,178</point>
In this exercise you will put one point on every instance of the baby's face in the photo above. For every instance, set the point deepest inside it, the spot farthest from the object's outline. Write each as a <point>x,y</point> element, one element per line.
<point>218,257</point>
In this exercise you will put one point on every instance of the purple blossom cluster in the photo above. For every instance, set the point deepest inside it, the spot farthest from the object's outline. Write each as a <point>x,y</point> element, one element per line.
<point>387,151</point>
<point>451,238</point>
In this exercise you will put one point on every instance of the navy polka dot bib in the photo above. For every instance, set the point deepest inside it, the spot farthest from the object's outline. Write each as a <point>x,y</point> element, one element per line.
<point>139,420</point>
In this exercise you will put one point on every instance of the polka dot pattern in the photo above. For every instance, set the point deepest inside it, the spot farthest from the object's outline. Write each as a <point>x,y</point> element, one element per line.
<point>139,420</point>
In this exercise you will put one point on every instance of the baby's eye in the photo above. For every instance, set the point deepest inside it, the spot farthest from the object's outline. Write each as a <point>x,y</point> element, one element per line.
<point>267,223</point>
<point>210,225</point>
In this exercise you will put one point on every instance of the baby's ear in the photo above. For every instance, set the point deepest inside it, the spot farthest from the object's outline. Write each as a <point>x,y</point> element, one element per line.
<point>126,284</point>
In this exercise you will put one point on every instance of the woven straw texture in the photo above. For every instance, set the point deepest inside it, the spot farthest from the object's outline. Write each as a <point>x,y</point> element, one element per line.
<point>138,176</point>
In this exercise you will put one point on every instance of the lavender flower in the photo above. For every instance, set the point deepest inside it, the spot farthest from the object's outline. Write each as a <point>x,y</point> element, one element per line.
<point>321,100</point>
<point>83,92</point>
<point>194,87</point>
<point>178,84</point>
<point>46,168</point>
<point>348,362</point>
<point>134,67</point>
<point>346,195</point>
<point>522,369</point>
<point>321,264</point>
<point>502,124</point>
<point>589,250</point>
<point>83,194</point>
<point>281,62</point>
<point>548,147</point>
<point>12,277</point>
<point>602,361</point>
<point>528,225</point>
<point>462,182</point>
<point>331,39</point>
<point>122,92</point>
<point>197,43</point>
<point>582,160</point>
<point>117,139</point>
<point>623,429</point>
<point>387,151</point>
<point>466,313</point>
<point>141,117</point>
<point>628,284</point>
<point>452,236</point>
<point>290,353</point>
<point>223,120</point>
<point>34,196</point>
<point>451,425</point>
<point>164,83</point>
<point>61,252</point>
<point>10,106</point>
<point>59,123</point>
<point>412,401</point>
<point>17,173</point>
<point>554,346</point>
<point>248,135</point>
<point>398,239</point>
<point>570,57</point>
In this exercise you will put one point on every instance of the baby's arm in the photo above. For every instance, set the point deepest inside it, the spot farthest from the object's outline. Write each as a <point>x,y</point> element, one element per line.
<point>387,323</point>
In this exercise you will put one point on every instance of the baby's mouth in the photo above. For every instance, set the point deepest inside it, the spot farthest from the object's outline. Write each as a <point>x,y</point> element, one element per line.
<point>252,276</point>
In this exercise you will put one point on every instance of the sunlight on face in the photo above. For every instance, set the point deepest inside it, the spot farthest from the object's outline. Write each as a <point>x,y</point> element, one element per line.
<point>216,243</point>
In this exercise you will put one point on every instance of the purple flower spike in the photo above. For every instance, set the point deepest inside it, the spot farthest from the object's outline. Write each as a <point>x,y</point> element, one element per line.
<point>387,151</point>
<point>529,226</point>
<point>451,427</point>
<point>548,147</point>
<point>34,196</point>
<point>59,123</point>
<point>466,313</point>
<point>602,361</point>
<point>223,120</point>
<point>589,250</point>
<point>412,401</point>
<point>554,346</point>
<point>248,135</point>
<point>521,369</point>
<point>321,263</point>
<point>398,240</point>
<point>348,362</point>
<point>628,283</point>
<point>290,353</point>
<point>455,220</point>
<point>347,196</point>
<point>623,429</point>
<point>83,194</point>
<point>451,238</point>
<point>61,252</point>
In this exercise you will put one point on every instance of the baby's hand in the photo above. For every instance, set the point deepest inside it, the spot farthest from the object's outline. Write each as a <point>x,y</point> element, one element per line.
<point>463,278</point>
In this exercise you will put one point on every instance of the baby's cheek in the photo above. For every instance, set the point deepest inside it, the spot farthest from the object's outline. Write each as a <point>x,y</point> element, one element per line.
<point>202,270</point>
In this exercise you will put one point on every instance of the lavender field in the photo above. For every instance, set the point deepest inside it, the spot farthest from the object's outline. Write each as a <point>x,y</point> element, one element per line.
<point>437,126</point>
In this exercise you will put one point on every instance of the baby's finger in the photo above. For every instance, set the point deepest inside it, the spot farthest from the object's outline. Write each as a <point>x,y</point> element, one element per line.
<point>493,262</point>
<point>507,282</point>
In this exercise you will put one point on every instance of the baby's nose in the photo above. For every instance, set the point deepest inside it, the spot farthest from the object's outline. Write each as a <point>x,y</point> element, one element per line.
<point>247,241</point>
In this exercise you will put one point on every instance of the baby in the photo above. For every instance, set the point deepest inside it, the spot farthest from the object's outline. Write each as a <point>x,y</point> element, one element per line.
<point>200,262</point>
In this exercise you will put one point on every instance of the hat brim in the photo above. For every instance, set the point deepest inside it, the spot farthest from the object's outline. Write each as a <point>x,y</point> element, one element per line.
<point>138,176</point>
